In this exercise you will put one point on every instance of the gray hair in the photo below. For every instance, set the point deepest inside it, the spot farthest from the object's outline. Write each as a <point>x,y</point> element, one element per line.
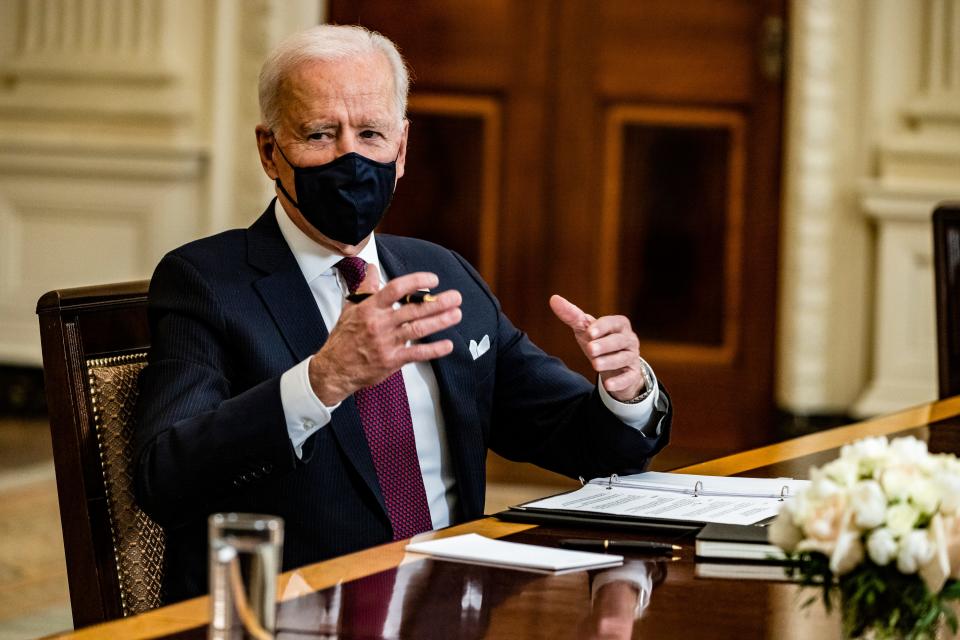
<point>326,42</point>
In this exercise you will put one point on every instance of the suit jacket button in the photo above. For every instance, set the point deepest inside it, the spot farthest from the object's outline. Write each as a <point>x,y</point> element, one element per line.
<point>245,477</point>
<point>267,468</point>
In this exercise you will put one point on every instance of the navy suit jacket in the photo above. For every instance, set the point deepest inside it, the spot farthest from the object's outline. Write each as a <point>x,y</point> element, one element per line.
<point>230,313</point>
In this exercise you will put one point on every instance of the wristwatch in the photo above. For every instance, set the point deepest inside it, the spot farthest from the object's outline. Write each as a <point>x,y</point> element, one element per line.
<point>648,383</point>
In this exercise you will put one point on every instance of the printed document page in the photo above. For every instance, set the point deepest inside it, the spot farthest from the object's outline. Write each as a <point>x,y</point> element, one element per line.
<point>665,505</point>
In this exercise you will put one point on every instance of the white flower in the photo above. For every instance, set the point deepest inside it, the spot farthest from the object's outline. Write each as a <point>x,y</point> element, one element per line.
<point>936,571</point>
<point>869,454</point>
<point>869,504</point>
<point>809,502</point>
<point>783,532</point>
<point>901,517</point>
<point>847,553</point>
<point>909,450</point>
<point>882,546</point>
<point>842,471</point>
<point>951,543</point>
<point>949,486</point>
<point>821,485</point>
<point>949,464</point>
<point>866,448</point>
<point>924,495</point>
<point>915,551</point>
<point>825,520</point>
<point>897,480</point>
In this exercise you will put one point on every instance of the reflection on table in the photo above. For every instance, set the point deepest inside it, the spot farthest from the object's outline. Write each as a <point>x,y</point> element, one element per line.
<point>385,593</point>
<point>403,602</point>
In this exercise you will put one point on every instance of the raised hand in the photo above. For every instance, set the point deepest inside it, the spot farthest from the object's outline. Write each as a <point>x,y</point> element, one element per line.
<point>610,345</point>
<point>371,340</point>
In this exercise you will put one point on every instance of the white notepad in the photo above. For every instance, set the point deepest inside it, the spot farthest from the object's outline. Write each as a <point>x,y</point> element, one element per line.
<point>476,549</point>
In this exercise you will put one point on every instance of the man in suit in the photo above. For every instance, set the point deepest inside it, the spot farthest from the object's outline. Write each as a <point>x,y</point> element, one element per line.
<point>356,421</point>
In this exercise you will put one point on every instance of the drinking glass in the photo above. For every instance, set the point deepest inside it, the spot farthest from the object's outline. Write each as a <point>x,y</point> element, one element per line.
<point>245,557</point>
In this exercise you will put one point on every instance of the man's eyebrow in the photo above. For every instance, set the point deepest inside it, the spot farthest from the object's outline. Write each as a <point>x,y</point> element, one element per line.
<point>374,124</point>
<point>317,125</point>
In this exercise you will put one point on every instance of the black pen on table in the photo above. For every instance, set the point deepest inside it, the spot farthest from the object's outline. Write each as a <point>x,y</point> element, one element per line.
<point>418,297</point>
<point>634,546</point>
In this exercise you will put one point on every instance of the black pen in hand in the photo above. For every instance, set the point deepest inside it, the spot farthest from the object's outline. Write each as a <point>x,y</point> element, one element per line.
<point>632,546</point>
<point>418,297</point>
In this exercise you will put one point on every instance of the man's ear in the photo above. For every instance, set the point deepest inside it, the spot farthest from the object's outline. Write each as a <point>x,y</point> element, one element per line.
<point>266,145</point>
<point>402,155</point>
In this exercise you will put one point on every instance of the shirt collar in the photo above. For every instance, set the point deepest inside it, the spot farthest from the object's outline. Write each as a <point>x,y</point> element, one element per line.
<point>315,259</point>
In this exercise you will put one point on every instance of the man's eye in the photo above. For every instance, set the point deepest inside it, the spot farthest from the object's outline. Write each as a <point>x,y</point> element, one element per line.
<point>319,135</point>
<point>369,134</point>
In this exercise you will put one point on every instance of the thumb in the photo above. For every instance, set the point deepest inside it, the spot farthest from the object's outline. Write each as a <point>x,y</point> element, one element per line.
<point>569,313</point>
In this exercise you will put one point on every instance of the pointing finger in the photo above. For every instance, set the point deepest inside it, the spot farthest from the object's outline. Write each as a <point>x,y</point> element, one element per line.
<point>569,313</point>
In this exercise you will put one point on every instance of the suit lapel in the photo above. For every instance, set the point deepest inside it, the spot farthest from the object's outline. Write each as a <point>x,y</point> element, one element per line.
<point>283,289</point>
<point>290,302</point>
<point>454,383</point>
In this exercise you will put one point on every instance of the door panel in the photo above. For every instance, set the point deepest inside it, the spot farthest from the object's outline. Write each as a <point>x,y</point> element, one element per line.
<point>450,191</point>
<point>681,51</point>
<point>672,228</point>
<point>624,154</point>
<point>674,148</point>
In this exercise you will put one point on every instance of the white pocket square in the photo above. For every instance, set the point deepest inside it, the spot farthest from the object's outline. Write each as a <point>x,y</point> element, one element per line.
<point>477,350</point>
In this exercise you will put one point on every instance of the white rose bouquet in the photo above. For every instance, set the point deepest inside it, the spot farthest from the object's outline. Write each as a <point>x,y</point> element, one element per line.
<point>883,522</point>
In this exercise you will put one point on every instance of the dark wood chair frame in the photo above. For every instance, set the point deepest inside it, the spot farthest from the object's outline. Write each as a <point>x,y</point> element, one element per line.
<point>77,325</point>
<point>946,258</point>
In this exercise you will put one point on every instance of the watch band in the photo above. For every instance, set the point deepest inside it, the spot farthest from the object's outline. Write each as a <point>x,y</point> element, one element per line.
<point>647,374</point>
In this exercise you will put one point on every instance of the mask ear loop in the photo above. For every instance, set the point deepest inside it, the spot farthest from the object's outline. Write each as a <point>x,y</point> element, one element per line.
<point>399,149</point>
<point>277,181</point>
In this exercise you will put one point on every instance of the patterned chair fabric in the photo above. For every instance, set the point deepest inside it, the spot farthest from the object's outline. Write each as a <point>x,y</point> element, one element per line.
<point>138,541</point>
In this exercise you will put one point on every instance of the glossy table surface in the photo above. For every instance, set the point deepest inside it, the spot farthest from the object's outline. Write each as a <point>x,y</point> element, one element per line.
<point>383,592</point>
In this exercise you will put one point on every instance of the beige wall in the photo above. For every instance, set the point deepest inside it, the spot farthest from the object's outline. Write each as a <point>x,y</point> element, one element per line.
<point>126,129</point>
<point>873,141</point>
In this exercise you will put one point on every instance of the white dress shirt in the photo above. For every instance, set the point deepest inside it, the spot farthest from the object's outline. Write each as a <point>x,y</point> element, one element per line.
<point>305,414</point>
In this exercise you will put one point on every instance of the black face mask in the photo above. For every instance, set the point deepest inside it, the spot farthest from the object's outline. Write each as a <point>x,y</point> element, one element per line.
<point>344,199</point>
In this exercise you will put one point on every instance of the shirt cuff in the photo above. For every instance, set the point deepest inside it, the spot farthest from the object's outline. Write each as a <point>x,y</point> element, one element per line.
<point>637,574</point>
<point>634,415</point>
<point>302,409</point>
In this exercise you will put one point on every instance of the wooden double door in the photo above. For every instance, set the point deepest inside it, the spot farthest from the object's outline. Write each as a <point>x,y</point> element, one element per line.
<point>622,153</point>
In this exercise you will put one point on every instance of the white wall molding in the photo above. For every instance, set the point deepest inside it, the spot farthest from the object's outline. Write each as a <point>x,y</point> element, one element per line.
<point>71,39</point>
<point>126,129</point>
<point>902,202</point>
<point>64,60</point>
<point>75,160</point>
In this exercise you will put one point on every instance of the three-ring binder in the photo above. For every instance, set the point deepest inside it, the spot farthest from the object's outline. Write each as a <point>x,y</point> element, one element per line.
<point>645,500</point>
<point>698,489</point>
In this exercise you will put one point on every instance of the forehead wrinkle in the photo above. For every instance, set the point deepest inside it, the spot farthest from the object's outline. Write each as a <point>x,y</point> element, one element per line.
<point>313,87</point>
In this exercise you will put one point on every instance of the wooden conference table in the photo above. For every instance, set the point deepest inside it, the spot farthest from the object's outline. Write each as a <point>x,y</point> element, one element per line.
<point>355,596</point>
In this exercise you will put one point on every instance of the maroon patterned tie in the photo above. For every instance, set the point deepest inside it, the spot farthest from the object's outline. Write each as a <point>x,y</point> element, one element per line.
<point>385,416</point>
